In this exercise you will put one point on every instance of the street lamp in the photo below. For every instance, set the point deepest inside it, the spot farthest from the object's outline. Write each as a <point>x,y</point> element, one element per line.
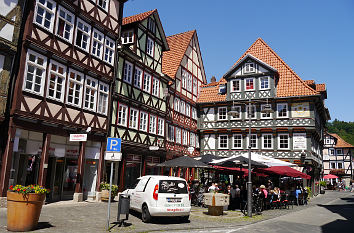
<point>233,112</point>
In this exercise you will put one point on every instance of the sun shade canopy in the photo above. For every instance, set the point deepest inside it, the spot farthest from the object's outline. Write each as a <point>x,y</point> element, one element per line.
<point>283,171</point>
<point>183,161</point>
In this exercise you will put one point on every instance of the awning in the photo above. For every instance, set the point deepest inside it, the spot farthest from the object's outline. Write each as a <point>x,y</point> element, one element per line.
<point>284,171</point>
<point>330,176</point>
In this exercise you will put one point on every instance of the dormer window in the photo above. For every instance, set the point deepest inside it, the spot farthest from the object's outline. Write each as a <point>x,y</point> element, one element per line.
<point>249,67</point>
<point>151,25</point>
<point>222,89</point>
<point>127,37</point>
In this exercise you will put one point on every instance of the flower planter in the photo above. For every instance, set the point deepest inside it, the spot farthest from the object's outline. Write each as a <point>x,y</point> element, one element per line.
<point>105,195</point>
<point>23,210</point>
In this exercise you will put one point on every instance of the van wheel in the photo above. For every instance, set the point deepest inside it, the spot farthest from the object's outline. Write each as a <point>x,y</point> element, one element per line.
<point>184,218</point>
<point>145,214</point>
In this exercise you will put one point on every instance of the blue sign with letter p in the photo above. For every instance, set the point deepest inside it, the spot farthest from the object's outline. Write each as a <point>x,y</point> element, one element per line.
<point>114,144</point>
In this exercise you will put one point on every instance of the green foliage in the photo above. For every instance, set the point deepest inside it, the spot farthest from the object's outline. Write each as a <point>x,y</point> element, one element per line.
<point>323,183</point>
<point>344,129</point>
<point>28,189</point>
<point>309,191</point>
<point>105,186</point>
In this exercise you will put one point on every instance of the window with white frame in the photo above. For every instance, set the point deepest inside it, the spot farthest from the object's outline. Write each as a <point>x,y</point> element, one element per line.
<point>161,127</point>
<point>249,84</point>
<point>83,31</point>
<point>239,115</point>
<point>178,135</point>
<point>223,142</point>
<point>152,124</point>
<point>150,46</point>
<point>235,85</point>
<point>196,141</point>
<point>265,115</point>
<point>237,141</point>
<point>65,24</point>
<point>56,81</point>
<point>109,47</point>
<point>183,107</point>
<point>151,25</point>
<point>253,141</point>
<point>143,121</point>
<point>340,165</point>
<point>282,110</point>
<point>331,151</point>
<point>138,74</point>
<point>222,113</point>
<point>264,83</point>
<point>185,137</point>
<point>194,113</point>
<point>155,87</point>
<point>333,165</point>
<point>188,110</point>
<point>35,72</point>
<point>195,86</point>
<point>251,111</point>
<point>97,43</point>
<point>192,139</point>
<point>44,14</point>
<point>103,4</point>
<point>122,115</point>
<point>103,92</point>
<point>133,118</point>
<point>127,72</point>
<point>176,104</point>
<point>184,79</point>
<point>283,141</point>
<point>91,86</point>
<point>128,37</point>
<point>189,82</point>
<point>147,82</point>
<point>171,133</point>
<point>75,86</point>
<point>249,67</point>
<point>267,141</point>
<point>339,151</point>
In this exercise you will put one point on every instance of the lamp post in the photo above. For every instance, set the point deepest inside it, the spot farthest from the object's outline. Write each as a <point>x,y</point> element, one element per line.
<point>234,112</point>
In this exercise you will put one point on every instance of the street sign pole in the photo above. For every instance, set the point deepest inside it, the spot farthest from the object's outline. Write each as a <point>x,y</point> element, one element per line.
<point>110,194</point>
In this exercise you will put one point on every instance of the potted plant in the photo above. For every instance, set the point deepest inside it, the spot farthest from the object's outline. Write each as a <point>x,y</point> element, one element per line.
<point>105,191</point>
<point>24,205</point>
<point>323,185</point>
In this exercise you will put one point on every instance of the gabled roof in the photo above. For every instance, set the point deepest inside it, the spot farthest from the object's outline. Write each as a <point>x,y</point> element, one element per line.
<point>340,142</point>
<point>210,92</point>
<point>178,44</point>
<point>289,84</point>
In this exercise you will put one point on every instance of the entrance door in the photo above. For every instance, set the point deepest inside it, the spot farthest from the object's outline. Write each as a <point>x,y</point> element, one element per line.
<point>58,179</point>
<point>70,172</point>
<point>90,175</point>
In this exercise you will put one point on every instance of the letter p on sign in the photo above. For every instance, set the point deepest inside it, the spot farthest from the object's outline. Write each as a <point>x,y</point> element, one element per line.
<point>114,144</point>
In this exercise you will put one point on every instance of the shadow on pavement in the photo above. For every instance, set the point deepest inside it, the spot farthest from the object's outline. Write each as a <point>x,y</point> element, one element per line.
<point>44,225</point>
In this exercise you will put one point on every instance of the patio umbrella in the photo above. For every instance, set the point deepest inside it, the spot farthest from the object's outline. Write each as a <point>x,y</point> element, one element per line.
<point>330,176</point>
<point>284,171</point>
<point>183,161</point>
<point>207,158</point>
<point>237,160</point>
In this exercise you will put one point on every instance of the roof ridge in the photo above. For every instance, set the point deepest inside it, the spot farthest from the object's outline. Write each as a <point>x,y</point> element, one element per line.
<point>136,16</point>
<point>182,33</point>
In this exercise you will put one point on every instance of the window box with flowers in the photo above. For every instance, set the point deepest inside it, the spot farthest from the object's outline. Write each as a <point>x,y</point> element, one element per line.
<point>105,191</point>
<point>24,205</point>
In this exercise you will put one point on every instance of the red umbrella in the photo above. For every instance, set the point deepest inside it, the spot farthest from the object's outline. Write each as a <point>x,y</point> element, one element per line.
<point>284,171</point>
<point>330,176</point>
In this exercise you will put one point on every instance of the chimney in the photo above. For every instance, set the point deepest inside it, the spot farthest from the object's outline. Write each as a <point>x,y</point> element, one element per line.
<point>213,79</point>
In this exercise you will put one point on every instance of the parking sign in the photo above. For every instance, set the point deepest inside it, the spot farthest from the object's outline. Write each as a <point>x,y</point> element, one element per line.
<point>113,144</point>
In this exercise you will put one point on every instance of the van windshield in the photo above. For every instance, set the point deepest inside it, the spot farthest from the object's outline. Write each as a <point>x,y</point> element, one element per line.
<point>173,186</point>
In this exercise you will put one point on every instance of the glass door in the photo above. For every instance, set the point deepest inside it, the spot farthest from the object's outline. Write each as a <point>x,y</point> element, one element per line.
<point>70,172</point>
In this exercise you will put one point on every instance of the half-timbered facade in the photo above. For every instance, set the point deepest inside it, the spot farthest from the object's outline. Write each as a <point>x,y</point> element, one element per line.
<point>63,87</point>
<point>139,102</point>
<point>293,130</point>
<point>183,62</point>
<point>338,157</point>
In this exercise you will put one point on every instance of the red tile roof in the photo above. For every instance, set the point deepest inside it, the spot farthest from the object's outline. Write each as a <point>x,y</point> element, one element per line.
<point>340,142</point>
<point>171,59</point>
<point>138,17</point>
<point>321,87</point>
<point>210,92</point>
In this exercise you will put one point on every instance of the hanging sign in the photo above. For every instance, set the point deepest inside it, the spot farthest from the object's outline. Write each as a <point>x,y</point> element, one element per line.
<point>82,137</point>
<point>299,141</point>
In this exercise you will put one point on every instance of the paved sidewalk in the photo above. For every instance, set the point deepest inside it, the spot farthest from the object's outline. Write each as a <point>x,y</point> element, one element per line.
<point>68,216</point>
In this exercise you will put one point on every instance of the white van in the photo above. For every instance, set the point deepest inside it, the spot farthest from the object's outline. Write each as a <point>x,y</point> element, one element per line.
<point>160,196</point>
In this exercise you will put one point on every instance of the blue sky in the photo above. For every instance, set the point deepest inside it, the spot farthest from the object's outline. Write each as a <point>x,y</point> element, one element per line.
<point>315,38</point>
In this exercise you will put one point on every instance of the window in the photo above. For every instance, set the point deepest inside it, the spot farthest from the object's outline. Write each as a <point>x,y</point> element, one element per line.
<point>161,127</point>
<point>235,85</point>
<point>283,141</point>
<point>188,110</point>
<point>222,113</point>
<point>176,105</point>
<point>253,141</point>
<point>171,133</point>
<point>152,124</point>
<point>138,74</point>
<point>238,109</point>
<point>267,141</point>
<point>249,67</point>
<point>328,140</point>
<point>331,151</point>
<point>194,113</point>
<point>339,151</point>
<point>264,82</point>
<point>143,121</point>
<point>44,15</point>
<point>183,107</point>
<point>192,139</point>
<point>155,87</point>
<point>122,115</point>
<point>150,46</point>
<point>333,165</point>
<point>97,43</point>
<point>90,93</point>
<point>127,72</point>
<point>265,115</point>
<point>127,37</point>
<point>109,51</point>
<point>249,84</point>
<point>83,31</point>
<point>189,82</point>
<point>147,82</point>
<point>133,118</point>
<point>151,25</point>
<point>103,92</point>
<point>196,141</point>
<point>56,81</point>
<point>282,110</point>
<point>223,142</point>
<point>35,71</point>
<point>103,4</point>
<point>252,112</point>
<point>340,165</point>
<point>237,141</point>
<point>185,137</point>
<point>184,79</point>
<point>195,86</point>
<point>65,24</point>
<point>178,135</point>
<point>75,83</point>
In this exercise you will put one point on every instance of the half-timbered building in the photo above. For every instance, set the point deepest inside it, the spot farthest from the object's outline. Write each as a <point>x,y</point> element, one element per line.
<point>139,102</point>
<point>63,87</point>
<point>291,131</point>
<point>338,157</point>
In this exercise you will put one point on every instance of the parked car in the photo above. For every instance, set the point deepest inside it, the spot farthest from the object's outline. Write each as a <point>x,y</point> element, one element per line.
<point>154,196</point>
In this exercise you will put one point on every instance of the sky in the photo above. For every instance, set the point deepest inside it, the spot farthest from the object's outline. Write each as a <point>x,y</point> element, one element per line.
<point>314,37</point>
